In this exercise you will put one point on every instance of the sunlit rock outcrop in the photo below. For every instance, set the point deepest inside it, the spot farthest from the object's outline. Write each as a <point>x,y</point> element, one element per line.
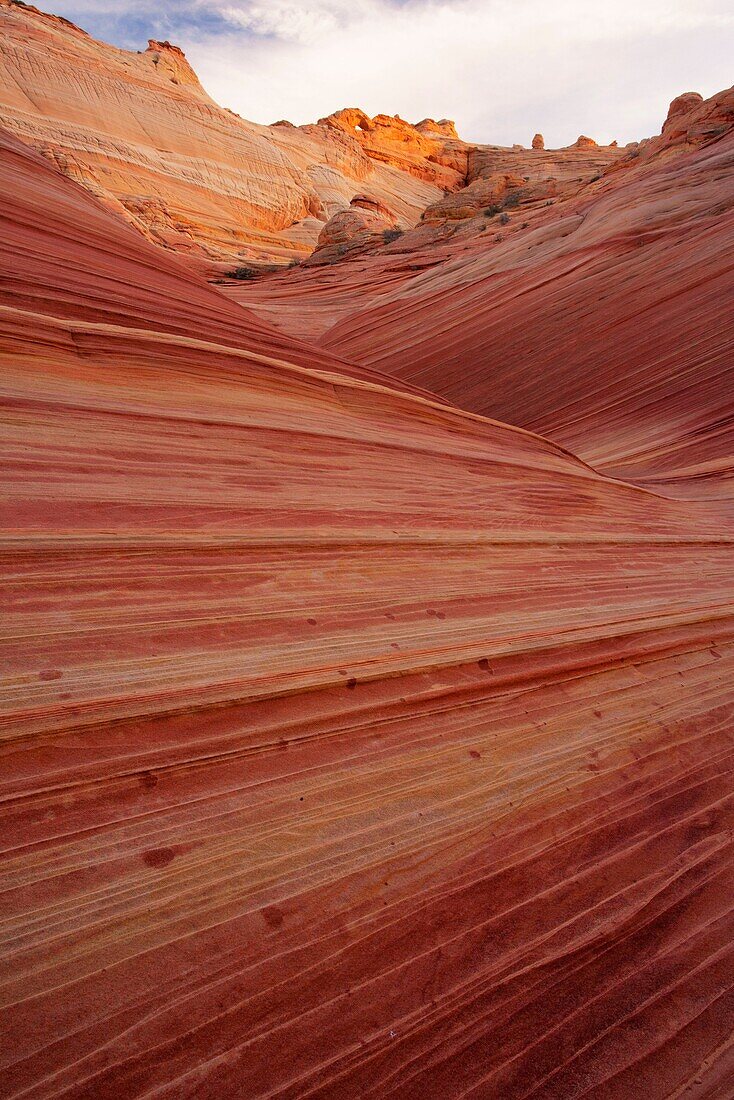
<point>139,131</point>
<point>444,127</point>
<point>416,150</point>
<point>619,293</point>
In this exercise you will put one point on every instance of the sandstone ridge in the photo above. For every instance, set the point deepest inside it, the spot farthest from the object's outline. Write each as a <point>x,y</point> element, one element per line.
<point>366,225</point>
<point>139,131</point>
<point>542,244</point>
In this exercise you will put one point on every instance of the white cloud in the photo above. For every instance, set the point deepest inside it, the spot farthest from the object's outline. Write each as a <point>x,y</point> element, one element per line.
<point>291,22</point>
<point>502,68</point>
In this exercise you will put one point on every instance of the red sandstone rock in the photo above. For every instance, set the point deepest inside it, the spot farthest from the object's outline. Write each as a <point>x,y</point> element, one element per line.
<point>351,742</point>
<point>483,193</point>
<point>354,744</point>
<point>629,281</point>
<point>566,166</point>
<point>681,105</point>
<point>692,122</point>
<point>538,142</point>
<point>349,738</point>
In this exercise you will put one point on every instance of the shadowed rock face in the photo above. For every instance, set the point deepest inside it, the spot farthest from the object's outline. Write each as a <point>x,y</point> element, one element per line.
<point>353,744</point>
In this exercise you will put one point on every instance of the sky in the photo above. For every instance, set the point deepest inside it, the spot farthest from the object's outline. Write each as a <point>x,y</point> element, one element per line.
<point>502,69</point>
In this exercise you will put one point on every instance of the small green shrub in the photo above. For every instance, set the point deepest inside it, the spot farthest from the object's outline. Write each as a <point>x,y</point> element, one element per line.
<point>243,273</point>
<point>390,235</point>
<point>491,211</point>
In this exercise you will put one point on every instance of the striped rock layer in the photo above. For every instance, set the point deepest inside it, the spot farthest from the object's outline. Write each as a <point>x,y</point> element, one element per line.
<point>600,318</point>
<point>604,322</point>
<point>353,745</point>
<point>140,132</point>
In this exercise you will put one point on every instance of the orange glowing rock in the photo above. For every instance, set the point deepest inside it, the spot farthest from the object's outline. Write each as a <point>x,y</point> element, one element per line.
<point>141,133</point>
<point>629,283</point>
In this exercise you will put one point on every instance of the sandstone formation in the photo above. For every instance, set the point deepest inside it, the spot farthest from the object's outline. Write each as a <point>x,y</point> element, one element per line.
<point>538,142</point>
<point>576,164</point>
<point>692,122</point>
<point>463,220</point>
<point>497,177</point>
<point>503,184</point>
<point>353,743</point>
<point>433,155</point>
<point>445,127</point>
<point>140,132</point>
<point>486,191</point>
<point>681,105</point>
<point>619,294</point>
<point>364,226</point>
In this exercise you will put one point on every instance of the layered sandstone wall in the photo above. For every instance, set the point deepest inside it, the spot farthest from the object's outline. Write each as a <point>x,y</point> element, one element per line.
<point>351,743</point>
<point>140,132</point>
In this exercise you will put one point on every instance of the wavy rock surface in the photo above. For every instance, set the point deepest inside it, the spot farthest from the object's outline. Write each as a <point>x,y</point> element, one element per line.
<point>352,745</point>
<point>513,183</point>
<point>140,132</point>
<point>604,322</point>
